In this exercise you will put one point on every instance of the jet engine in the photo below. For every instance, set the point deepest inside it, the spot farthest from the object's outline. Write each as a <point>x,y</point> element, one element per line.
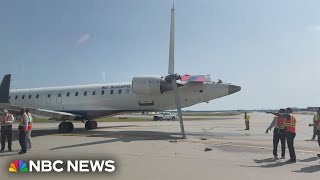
<point>151,85</point>
<point>147,85</point>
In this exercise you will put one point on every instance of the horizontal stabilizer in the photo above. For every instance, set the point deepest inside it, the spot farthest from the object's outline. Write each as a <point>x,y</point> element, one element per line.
<point>196,78</point>
<point>4,89</point>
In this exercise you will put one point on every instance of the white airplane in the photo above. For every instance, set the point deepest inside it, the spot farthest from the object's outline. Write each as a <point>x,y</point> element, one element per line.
<point>89,102</point>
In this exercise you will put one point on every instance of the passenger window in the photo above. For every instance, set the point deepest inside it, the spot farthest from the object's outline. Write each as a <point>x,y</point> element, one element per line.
<point>85,93</point>
<point>76,94</point>
<point>127,91</point>
<point>49,95</point>
<point>16,97</point>
<point>59,95</point>
<point>102,92</point>
<point>68,94</point>
<point>94,93</point>
<point>30,96</point>
<point>120,91</point>
<point>37,96</point>
<point>111,91</point>
<point>23,96</point>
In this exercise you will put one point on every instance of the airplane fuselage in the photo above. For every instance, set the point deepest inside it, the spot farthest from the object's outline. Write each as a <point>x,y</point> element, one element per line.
<point>99,100</point>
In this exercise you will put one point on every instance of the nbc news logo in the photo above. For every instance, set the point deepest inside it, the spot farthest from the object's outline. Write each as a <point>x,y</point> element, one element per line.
<point>62,166</point>
<point>18,166</point>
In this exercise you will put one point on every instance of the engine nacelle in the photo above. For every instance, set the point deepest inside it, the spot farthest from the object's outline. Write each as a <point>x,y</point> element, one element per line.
<point>147,85</point>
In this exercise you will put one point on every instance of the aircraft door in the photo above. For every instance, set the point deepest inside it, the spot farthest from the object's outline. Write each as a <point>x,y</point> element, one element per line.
<point>49,97</point>
<point>59,97</point>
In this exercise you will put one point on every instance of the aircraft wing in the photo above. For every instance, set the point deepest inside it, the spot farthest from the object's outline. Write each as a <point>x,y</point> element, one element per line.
<point>5,104</point>
<point>41,112</point>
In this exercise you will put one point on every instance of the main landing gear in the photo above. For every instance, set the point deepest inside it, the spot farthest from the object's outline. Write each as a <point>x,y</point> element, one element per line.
<point>67,127</point>
<point>91,125</point>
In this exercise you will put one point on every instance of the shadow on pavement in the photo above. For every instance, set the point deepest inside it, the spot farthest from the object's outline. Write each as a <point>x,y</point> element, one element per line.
<point>264,160</point>
<point>6,153</point>
<point>310,169</point>
<point>123,136</point>
<point>45,132</point>
<point>309,159</point>
<point>273,165</point>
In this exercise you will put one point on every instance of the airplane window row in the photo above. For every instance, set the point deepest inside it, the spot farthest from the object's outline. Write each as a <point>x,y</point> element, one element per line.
<point>23,96</point>
<point>76,94</point>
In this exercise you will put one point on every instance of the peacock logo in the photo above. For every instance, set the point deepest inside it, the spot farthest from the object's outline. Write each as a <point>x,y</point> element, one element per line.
<point>18,166</point>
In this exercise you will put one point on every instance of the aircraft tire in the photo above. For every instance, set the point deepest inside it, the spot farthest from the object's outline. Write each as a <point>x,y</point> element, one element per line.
<point>62,127</point>
<point>94,124</point>
<point>87,125</point>
<point>70,127</point>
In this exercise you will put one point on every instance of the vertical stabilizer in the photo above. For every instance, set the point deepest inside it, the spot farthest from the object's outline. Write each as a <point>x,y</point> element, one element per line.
<point>4,89</point>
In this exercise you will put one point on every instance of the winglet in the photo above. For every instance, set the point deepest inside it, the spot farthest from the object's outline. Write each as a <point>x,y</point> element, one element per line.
<point>4,89</point>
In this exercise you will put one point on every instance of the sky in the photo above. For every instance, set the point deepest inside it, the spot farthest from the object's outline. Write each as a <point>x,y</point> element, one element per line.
<point>270,48</point>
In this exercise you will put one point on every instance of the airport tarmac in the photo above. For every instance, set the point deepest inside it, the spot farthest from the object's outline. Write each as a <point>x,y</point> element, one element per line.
<point>154,150</point>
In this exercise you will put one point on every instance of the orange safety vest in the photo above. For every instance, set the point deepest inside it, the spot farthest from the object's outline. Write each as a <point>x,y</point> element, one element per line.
<point>280,123</point>
<point>291,123</point>
<point>5,119</point>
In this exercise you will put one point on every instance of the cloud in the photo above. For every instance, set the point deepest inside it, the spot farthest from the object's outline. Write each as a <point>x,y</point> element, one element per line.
<point>84,38</point>
<point>314,28</point>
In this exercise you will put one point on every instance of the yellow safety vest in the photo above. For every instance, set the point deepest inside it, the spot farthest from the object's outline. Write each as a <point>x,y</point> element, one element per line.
<point>247,117</point>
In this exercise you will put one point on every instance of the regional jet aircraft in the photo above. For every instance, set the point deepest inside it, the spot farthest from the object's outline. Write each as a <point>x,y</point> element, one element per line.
<point>143,93</point>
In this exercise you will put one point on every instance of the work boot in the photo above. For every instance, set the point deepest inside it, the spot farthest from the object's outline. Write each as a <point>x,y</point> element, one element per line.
<point>283,157</point>
<point>275,158</point>
<point>291,161</point>
<point>10,150</point>
<point>1,149</point>
<point>318,155</point>
<point>22,152</point>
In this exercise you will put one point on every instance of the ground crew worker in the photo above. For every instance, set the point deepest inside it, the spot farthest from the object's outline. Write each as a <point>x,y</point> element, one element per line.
<point>28,135</point>
<point>316,126</point>
<point>279,123</point>
<point>6,129</point>
<point>290,128</point>
<point>247,121</point>
<point>316,119</point>
<point>23,129</point>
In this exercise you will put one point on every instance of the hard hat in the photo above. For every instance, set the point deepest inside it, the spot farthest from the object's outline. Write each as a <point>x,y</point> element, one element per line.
<point>5,111</point>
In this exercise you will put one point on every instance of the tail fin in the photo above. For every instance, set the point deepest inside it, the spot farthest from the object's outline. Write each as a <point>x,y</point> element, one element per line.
<point>4,89</point>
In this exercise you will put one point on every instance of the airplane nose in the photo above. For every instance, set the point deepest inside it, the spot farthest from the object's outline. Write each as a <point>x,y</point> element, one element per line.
<point>233,89</point>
